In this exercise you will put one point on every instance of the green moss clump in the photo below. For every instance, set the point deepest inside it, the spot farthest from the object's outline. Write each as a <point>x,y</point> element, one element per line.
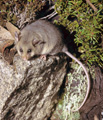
<point>77,16</point>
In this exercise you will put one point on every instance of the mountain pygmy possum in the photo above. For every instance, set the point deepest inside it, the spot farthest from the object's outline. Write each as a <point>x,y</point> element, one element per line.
<point>43,38</point>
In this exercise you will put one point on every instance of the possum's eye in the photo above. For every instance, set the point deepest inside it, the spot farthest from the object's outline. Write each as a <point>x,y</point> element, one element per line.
<point>29,51</point>
<point>21,50</point>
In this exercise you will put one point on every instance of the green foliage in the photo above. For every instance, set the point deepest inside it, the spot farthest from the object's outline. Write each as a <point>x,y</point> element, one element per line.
<point>77,16</point>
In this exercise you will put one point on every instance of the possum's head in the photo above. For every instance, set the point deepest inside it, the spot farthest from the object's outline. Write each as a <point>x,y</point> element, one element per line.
<point>28,45</point>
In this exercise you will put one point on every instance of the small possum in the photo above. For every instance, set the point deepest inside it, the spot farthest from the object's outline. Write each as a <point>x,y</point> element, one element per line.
<point>43,38</point>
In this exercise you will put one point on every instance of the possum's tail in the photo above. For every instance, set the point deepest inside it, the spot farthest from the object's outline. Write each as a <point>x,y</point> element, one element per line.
<point>87,75</point>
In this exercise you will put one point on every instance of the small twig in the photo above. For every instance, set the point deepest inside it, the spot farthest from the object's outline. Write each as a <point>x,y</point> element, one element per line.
<point>50,15</point>
<point>51,8</point>
<point>92,6</point>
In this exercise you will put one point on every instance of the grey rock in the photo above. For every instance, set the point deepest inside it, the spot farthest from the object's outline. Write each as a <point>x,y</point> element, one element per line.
<point>29,90</point>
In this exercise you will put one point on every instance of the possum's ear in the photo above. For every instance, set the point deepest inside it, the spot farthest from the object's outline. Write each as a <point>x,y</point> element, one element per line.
<point>17,36</point>
<point>35,41</point>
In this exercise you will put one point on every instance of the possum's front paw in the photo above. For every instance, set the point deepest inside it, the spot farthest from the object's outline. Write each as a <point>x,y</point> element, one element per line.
<point>43,57</point>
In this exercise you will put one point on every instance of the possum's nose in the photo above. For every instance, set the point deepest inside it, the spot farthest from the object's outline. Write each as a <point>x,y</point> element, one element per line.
<point>25,58</point>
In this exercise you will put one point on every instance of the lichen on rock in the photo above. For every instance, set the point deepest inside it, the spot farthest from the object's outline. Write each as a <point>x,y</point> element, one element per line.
<point>28,88</point>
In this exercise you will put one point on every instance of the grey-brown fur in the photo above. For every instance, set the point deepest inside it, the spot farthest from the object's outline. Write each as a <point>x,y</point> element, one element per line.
<point>48,36</point>
<point>43,38</point>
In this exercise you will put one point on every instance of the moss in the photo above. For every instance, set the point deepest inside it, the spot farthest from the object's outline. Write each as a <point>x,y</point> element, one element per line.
<point>78,16</point>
